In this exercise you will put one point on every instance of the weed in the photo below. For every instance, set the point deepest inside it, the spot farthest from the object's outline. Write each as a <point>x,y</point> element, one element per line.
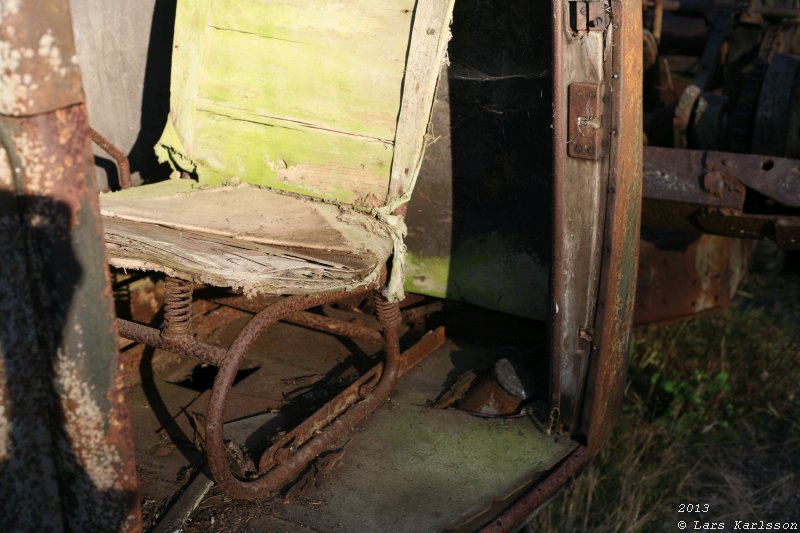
<point>710,416</point>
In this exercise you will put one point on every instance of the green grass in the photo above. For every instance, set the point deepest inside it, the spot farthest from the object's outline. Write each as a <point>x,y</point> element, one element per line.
<point>711,415</point>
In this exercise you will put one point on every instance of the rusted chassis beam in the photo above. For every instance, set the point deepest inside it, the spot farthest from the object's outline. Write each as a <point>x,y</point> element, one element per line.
<point>736,195</point>
<point>66,452</point>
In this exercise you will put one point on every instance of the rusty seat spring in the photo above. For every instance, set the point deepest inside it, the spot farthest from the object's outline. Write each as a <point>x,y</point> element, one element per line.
<point>177,308</point>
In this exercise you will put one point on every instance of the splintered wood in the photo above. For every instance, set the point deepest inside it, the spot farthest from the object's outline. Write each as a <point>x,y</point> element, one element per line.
<point>245,237</point>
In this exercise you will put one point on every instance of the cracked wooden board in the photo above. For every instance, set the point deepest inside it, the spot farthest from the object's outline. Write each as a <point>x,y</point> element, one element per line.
<point>245,237</point>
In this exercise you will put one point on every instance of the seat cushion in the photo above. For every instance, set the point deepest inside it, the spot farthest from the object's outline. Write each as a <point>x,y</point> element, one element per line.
<point>246,237</point>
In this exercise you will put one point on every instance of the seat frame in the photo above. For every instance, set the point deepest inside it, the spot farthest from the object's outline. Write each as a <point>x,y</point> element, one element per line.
<point>293,451</point>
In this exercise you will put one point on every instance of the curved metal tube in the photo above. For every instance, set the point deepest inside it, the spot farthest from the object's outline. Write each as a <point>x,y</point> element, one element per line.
<point>119,156</point>
<point>296,461</point>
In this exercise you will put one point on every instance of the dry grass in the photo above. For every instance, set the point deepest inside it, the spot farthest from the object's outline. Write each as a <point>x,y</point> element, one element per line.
<point>711,415</point>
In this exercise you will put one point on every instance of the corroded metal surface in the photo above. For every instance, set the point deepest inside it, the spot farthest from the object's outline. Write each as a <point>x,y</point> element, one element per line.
<point>119,156</point>
<point>488,398</point>
<point>739,195</point>
<point>38,67</point>
<point>182,345</point>
<point>678,176</point>
<point>304,318</point>
<point>681,275</point>
<point>621,238</point>
<point>292,451</point>
<point>290,464</point>
<point>66,455</point>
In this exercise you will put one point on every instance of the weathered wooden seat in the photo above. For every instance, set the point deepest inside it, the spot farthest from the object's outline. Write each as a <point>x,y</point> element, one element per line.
<point>249,238</point>
<point>299,128</point>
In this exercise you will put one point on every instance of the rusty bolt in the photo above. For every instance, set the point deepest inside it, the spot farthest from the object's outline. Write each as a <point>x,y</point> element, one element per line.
<point>578,149</point>
<point>714,183</point>
<point>584,10</point>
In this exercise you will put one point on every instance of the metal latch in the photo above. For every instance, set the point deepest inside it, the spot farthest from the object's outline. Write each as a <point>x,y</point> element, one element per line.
<point>588,16</point>
<point>584,130</point>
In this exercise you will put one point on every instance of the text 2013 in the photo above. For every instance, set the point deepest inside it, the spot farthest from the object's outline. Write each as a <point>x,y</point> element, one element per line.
<point>693,508</point>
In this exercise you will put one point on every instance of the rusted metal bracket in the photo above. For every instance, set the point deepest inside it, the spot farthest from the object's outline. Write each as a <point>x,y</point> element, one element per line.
<point>589,16</point>
<point>584,129</point>
<point>699,191</point>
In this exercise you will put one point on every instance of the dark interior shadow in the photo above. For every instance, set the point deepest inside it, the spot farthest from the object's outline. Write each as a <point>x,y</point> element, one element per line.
<point>501,137</point>
<point>110,171</point>
<point>155,94</point>
<point>183,442</point>
<point>484,196</point>
<point>480,218</point>
<point>51,282</point>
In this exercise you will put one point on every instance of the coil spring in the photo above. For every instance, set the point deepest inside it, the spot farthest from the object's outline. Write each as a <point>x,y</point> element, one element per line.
<point>388,313</point>
<point>177,307</point>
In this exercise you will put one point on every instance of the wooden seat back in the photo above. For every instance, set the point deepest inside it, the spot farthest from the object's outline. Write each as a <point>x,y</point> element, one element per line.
<point>329,99</point>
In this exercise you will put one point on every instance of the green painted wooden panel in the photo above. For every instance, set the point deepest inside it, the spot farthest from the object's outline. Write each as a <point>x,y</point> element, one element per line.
<point>290,157</point>
<point>338,66</point>
<point>302,95</point>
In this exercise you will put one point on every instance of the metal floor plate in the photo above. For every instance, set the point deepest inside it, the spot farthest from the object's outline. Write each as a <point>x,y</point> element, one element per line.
<point>408,467</point>
<point>413,468</point>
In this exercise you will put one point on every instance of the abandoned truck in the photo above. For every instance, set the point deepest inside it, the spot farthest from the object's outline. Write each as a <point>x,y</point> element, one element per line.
<point>372,264</point>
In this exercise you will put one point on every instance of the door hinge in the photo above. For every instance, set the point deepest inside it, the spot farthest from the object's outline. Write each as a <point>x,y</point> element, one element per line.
<point>588,15</point>
<point>585,129</point>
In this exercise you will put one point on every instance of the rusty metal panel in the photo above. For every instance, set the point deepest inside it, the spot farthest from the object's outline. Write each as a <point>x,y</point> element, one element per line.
<point>66,455</point>
<point>682,275</point>
<point>683,176</point>
<point>677,176</point>
<point>706,191</point>
<point>38,66</point>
